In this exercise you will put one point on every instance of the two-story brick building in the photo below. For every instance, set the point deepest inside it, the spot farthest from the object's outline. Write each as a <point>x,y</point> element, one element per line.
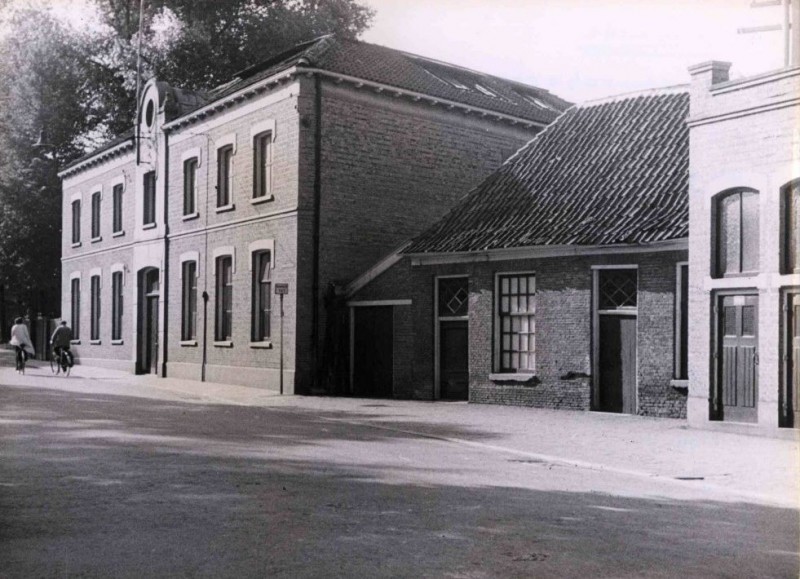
<point>745,249</point>
<point>303,169</point>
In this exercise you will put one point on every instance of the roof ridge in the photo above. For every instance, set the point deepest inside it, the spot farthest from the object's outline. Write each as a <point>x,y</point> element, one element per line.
<point>649,92</point>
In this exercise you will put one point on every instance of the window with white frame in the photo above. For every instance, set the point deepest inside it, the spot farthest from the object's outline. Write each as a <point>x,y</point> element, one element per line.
<point>262,300</point>
<point>76,221</point>
<point>224,175</point>
<point>190,186</point>
<point>262,164</point>
<point>791,228</point>
<point>94,327</point>
<point>96,199</point>
<point>224,298</point>
<point>117,209</point>
<point>75,309</point>
<point>116,305</point>
<point>149,215</point>
<point>189,301</point>
<point>516,322</point>
<point>737,232</point>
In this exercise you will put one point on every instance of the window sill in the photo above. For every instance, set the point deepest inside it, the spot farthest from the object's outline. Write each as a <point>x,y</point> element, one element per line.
<point>511,377</point>
<point>76,244</point>
<point>189,216</point>
<point>188,343</point>
<point>95,342</point>
<point>265,345</point>
<point>117,342</point>
<point>149,226</point>
<point>75,342</point>
<point>735,275</point>
<point>96,239</point>
<point>118,233</point>
<point>223,344</point>
<point>681,386</point>
<point>262,199</point>
<point>224,208</point>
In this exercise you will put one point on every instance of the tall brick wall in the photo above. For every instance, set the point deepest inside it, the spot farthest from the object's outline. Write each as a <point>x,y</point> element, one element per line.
<point>742,134</point>
<point>563,330</point>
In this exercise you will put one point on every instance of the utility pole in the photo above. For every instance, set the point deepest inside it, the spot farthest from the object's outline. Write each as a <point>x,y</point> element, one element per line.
<point>790,27</point>
<point>281,289</point>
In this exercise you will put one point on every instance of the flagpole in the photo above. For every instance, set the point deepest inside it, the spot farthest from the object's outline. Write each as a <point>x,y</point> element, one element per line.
<point>139,74</point>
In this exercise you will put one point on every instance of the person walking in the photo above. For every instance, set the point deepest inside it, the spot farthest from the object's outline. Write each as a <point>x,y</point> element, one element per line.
<point>21,340</point>
<point>61,341</point>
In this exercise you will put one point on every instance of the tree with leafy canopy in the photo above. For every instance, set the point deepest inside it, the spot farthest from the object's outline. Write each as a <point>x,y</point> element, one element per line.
<point>79,86</point>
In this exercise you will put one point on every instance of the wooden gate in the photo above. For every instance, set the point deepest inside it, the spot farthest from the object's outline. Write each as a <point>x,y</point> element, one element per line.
<point>738,357</point>
<point>373,351</point>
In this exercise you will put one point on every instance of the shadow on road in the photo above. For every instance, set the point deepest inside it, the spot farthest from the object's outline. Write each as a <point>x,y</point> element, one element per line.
<point>100,485</point>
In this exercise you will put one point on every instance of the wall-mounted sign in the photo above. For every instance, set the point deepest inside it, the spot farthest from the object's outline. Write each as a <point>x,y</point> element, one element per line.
<point>281,289</point>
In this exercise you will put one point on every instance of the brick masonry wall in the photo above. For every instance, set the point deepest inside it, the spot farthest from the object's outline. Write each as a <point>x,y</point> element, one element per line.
<point>564,330</point>
<point>757,147</point>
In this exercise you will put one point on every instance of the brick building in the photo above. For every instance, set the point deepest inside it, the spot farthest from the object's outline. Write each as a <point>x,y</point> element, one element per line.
<point>745,242</point>
<point>303,169</point>
<point>560,281</point>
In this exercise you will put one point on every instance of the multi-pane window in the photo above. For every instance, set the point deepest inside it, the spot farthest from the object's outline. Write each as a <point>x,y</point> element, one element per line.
<point>224,175</point>
<point>94,328</point>
<point>516,308</point>
<point>189,186</point>
<point>76,221</point>
<point>149,215</point>
<point>116,305</point>
<point>224,298</point>
<point>617,289</point>
<point>737,232</point>
<point>96,215</point>
<point>262,304</point>
<point>117,210</point>
<point>791,242</point>
<point>75,310</point>
<point>189,301</point>
<point>262,165</point>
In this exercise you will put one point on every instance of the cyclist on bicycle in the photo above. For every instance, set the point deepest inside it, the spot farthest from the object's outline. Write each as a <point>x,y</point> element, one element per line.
<point>21,340</point>
<point>61,340</point>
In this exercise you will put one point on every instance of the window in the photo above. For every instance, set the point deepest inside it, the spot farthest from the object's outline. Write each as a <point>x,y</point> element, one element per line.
<point>737,232</point>
<point>94,329</point>
<point>261,296</point>
<point>791,228</point>
<point>617,289</point>
<point>189,186</point>
<point>76,308</point>
<point>516,307</point>
<point>224,175</point>
<point>117,200</point>
<point>262,165</point>
<point>96,215</point>
<point>116,305</point>
<point>189,301</point>
<point>76,221</point>
<point>682,323</point>
<point>149,216</point>
<point>224,298</point>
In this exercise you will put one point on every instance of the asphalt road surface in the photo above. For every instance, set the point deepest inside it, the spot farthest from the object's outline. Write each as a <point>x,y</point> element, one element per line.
<point>98,485</point>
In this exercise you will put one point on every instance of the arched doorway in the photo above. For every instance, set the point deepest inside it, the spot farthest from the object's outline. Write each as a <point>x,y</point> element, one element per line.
<point>147,321</point>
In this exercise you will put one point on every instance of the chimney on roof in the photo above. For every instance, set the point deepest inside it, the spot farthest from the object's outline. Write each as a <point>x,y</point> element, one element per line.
<point>710,73</point>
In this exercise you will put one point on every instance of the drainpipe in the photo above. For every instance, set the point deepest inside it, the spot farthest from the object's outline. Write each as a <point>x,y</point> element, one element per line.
<point>165,285</point>
<point>316,228</point>
<point>205,337</point>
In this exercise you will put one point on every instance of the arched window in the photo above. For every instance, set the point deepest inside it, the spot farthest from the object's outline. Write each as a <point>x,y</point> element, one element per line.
<point>737,232</point>
<point>791,228</point>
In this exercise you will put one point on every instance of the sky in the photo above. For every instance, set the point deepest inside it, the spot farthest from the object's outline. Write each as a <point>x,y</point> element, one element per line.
<point>582,49</point>
<point>577,49</point>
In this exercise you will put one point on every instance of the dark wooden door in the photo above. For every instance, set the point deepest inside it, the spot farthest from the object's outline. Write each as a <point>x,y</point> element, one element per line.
<point>738,357</point>
<point>453,360</point>
<point>372,351</point>
<point>617,363</point>
<point>793,369</point>
<point>152,335</point>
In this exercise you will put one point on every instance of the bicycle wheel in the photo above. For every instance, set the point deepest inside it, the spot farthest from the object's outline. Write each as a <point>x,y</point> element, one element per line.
<point>67,369</point>
<point>54,364</point>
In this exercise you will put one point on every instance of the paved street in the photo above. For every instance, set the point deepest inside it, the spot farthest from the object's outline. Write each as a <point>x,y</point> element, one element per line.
<point>108,475</point>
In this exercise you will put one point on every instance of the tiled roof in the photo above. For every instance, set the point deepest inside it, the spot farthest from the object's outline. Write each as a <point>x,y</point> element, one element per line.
<point>394,68</point>
<point>606,172</point>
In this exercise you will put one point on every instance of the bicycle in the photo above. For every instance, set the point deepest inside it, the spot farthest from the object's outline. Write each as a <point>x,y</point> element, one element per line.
<point>22,358</point>
<point>59,363</point>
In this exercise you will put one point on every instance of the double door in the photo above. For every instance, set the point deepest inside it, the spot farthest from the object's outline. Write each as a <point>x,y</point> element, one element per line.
<point>737,353</point>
